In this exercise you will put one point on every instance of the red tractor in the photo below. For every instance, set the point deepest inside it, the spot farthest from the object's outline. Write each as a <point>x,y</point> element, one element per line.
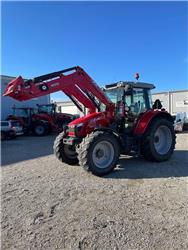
<point>120,120</point>
<point>41,120</point>
<point>56,120</point>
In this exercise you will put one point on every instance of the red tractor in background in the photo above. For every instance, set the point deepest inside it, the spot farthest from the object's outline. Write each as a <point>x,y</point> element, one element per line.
<point>57,120</point>
<point>121,120</point>
<point>41,120</point>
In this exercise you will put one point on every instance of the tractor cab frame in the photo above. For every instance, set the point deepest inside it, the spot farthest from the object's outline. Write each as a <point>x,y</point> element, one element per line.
<point>131,101</point>
<point>131,94</point>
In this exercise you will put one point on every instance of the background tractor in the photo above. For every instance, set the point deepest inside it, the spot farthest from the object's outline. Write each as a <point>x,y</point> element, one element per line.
<point>41,120</point>
<point>120,120</point>
<point>57,120</point>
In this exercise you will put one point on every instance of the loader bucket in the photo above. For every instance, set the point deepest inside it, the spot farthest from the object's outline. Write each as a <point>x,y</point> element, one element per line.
<point>14,89</point>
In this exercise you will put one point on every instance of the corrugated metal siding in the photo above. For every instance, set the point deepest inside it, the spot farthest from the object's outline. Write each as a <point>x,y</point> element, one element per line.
<point>174,101</point>
<point>179,102</point>
<point>68,107</point>
<point>164,98</point>
<point>7,103</point>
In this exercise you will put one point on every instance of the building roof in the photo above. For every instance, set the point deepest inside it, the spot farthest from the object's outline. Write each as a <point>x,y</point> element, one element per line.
<point>171,91</point>
<point>7,76</point>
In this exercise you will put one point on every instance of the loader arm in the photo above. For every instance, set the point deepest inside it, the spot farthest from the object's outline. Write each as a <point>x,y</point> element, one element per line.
<point>74,82</point>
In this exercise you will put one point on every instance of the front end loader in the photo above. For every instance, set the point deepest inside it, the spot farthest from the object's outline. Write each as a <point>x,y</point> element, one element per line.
<point>121,120</point>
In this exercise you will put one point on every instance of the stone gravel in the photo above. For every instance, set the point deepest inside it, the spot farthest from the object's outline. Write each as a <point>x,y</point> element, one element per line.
<point>49,205</point>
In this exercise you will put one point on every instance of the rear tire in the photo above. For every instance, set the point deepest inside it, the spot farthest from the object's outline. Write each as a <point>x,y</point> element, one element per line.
<point>63,152</point>
<point>99,153</point>
<point>159,141</point>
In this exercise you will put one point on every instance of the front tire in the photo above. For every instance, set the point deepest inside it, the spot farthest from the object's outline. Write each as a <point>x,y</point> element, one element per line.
<point>99,153</point>
<point>40,129</point>
<point>63,152</point>
<point>159,141</point>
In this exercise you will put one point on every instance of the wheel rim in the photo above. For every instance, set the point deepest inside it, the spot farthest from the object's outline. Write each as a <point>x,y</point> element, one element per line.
<point>103,154</point>
<point>39,130</point>
<point>69,152</point>
<point>162,140</point>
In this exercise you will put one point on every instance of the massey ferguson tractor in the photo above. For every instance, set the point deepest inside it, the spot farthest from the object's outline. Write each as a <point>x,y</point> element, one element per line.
<point>120,120</point>
<point>41,120</point>
<point>56,120</point>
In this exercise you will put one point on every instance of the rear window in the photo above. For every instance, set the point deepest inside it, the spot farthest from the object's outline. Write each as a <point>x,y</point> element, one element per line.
<point>4,124</point>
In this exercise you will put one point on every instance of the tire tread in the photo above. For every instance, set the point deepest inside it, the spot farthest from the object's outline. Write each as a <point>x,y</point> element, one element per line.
<point>146,149</point>
<point>58,145</point>
<point>84,150</point>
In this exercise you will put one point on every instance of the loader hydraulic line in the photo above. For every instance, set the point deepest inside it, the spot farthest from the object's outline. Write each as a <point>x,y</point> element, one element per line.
<point>74,82</point>
<point>51,75</point>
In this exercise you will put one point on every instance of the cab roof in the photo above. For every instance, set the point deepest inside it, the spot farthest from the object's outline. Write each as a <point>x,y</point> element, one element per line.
<point>141,85</point>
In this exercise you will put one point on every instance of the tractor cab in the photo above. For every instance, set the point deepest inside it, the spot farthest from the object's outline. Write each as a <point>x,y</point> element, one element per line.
<point>23,112</point>
<point>131,101</point>
<point>49,109</point>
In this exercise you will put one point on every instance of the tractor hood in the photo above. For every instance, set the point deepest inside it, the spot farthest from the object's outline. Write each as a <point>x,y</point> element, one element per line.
<point>87,124</point>
<point>87,118</point>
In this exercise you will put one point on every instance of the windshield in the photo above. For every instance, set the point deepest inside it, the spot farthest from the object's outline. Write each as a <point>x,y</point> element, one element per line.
<point>112,94</point>
<point>46,109</point>
<point>115,95</point>
<point>23,112</point>
<point>20,112</point>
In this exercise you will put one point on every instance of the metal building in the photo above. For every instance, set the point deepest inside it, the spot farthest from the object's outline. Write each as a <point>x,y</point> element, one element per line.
<point>7,102</point>
<point>173,101</point>
<point>68,107</point>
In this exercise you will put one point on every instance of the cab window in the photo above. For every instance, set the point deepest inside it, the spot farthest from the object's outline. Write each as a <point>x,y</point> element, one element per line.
<point>112,95</point>
<point>139,101</point>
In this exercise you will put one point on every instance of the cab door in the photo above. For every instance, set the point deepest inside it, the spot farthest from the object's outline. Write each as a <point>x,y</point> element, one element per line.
<point>140,102</point>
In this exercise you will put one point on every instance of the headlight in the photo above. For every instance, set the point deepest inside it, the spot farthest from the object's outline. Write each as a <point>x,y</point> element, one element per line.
<point>75,129</point>
<point>78,127</point>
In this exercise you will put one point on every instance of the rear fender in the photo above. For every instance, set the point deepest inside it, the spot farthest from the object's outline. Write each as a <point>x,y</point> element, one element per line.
<point>148,117</point>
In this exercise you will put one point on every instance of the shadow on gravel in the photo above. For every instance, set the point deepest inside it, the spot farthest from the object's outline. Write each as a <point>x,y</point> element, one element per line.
<point>138,168</point>
<point>26,148</point>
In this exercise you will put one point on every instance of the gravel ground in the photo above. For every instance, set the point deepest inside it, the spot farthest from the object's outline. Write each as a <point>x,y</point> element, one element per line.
<point>49,205</point>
